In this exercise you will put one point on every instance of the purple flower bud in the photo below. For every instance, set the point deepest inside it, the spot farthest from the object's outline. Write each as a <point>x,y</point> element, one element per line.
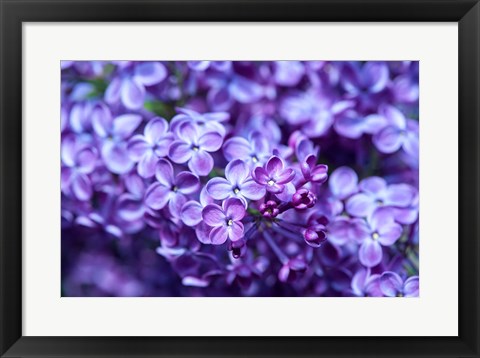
<point>314,238</point>
<point>269,209</point>
<point>303,199</point>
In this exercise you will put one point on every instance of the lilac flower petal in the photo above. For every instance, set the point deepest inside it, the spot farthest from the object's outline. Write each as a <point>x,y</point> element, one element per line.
<point>274,165</point>
<point>188,132</point>
<point>373,123</point>
<point>285,176</point>
<point>132,93</point>
<point>370,253</point>
<point>137,147</point>
<point>235,232</point>
<point>187,183</point>
<point>218,235</point>
<point>358,282</point>
<point>155,129</point>
<point>125,124</point>
<point>81,187</point>
<point>201,163</point>
<point>260,175</point>
<point>202,232</point>
<point>287,192</point>
<point>343,182</point>
<point>129,208</point>
<point>211,142</point>
<point>68,151</point>
<point>234,209</point>
<point>236,148</point>
<point>358,230</point>
<point>236,172</point>
<point>251,190</point>
<point>177,200</point>
<point>101,118</point>
<point>400,195</point>
<point>388,140</point>
<point>115,156</point>
<point>112,93</point>
<point>374,186</point>
<point>377,74</point>
<point>381,219</point>
<point>244,90</point>
<point>350,126</point>
<point>406,216</point>
<point>191,213</point>
<point>157,196</point>
<point>86,160</point>
<point>147,165</point>
<point>164,173</point>
<point>390,234</point>
<point>150,73</point>
<point>394,117</point>
<point>411,287</point>
<point>390,284</point>
<point>135,185</point>
<point>219,188</point>
<point>319,174</point>
<point>288,73</point>
<point>163,145</point>
<point>213,215</point>
<point>180,152</point>
<point>338,231</point>
<point>360,205</point>
<point>66,177</point>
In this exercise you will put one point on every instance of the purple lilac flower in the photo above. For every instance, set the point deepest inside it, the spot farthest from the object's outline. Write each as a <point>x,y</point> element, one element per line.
<point>273,176</point>
<point>392,285</point>
<point>255,151</point>
<point>237,183</point>
<point>194,148</point>
<point>225,220</point>
<point>170,189</point>
<point>146,149</point>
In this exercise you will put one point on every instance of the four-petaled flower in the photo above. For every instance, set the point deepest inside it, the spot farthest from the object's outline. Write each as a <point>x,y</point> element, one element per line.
<point>194,147</point>
<point>392,285</point>
<point>169,189</point>
<point>225,220</point>
<point>273,175</point>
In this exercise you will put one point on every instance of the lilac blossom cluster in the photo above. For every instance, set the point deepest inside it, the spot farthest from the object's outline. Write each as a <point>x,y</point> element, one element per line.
<point>219,178</point>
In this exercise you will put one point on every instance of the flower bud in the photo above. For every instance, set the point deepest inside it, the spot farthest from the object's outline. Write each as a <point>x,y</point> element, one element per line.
<point>303,199</point>
<point>314,238</point>
<point>269,209</point>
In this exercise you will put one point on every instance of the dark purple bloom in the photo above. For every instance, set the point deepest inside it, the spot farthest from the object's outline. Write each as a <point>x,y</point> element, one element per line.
<point>225,220</point>
<point>146,149</point>
<point>269,209</point>
<point>303,199</point>
<point>314,237</point>
<point>392,285</point>
<point>170,189</point>
<point>238,184</point>
<point>273,175</point>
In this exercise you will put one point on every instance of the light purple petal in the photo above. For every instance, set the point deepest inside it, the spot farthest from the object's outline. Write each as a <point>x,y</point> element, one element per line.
<point>235,232</point>
<point>251,190</point>
<point>370,253</point>
<point>164,173</point>
<point>155,129</point>
<point>147,165</point>
<point>150,73</point>
<point>287,193</point>
<point>81,187</point>
<point>343,182</point>
<point>132,93</point>
<point>187,183</point>
<point>373,123</point>
<point>115,156</point>
<point>390,234</point>
<point>411,287</point>
<point>213,215</point>
<point>390,284</point>
<point>394,117</point>
<point>274,165</point>
<point>125,125</point>
<point>211,142</point>
<point>374,186</point>
<point>388,140</point>
<point>400,195</point>
<point>86,160</point>
<point>260,176</point>
<point>236,172</point>
<point>137,147</point>
<point>188,132</point>
<point>101,118</point>
<point>234,209</point>
<point>191,213</point>
<point>338,231</point>
<point>135,185</point>
<point>360,205</point>
<point>286,176</point>
<point>244,90</point>
<point>381,219</point>
<point>288,73</point>
<point>358,282</point>
<point>157,196</point>
<point>180,152</point>
<point>201,163</point>
<point>177,200</point>
<point>376,76</point>
<point>236,148</point>
<point>68,150</point>
<point>219,188</point>
<point>112,93</point>
<point>129,208</point>
<point>218,235</point>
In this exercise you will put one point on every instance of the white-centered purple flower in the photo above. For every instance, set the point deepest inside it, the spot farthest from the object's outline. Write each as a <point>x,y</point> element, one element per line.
<point>392,285</point>
<point>205,122</point>
<point>380,230</point>
<point>236,184</point>
<point>148,148</point>
<point>225,220</point>
<point>194,148</point>
<point>255,151</point>
<point>273,176</point>
<point>170,189</point>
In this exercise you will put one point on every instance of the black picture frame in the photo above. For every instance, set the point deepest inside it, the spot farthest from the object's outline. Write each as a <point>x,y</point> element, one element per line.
<point>15,12</point>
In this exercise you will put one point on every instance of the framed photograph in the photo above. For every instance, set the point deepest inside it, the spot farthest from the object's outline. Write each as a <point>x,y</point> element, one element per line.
<point>241,178</point>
